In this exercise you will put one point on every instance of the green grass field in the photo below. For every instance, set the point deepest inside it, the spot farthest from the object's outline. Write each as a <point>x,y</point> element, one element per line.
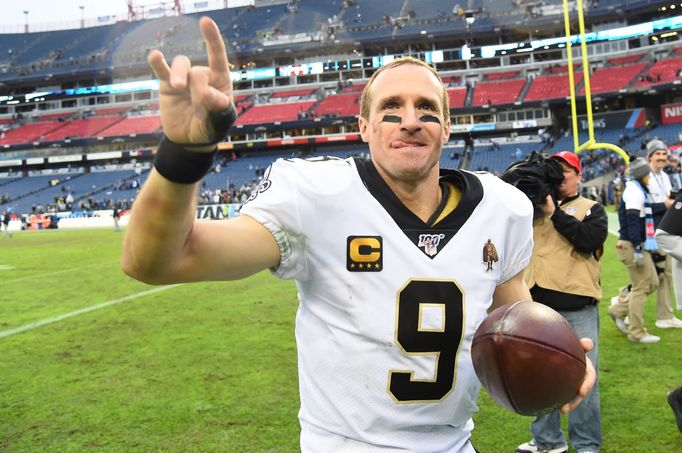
<point>91,359</point>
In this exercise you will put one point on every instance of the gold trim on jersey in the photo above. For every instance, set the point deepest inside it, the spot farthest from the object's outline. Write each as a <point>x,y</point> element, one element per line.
<point>420,323</point>
<point>436,354</point>
<point>454,194</point>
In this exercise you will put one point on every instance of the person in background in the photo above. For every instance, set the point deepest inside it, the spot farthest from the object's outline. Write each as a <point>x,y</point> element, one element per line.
<point>117,217</point>
<point>635,244</point>
<point>5,224</point>
<point>673,171</point>
<point>386,253</point>
<point>618,186</point>
<point>669,238</point>
<point>660,190</point>
<point>564,273</point>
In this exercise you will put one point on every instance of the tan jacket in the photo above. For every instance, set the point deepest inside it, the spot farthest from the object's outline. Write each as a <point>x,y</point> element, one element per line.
<point>556,264</point>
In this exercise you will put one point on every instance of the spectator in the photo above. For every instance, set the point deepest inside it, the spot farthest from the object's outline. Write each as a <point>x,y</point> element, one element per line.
<point>618,187</point>
<point>305,209</point>
<point>117,216</point>
<point>564,273</point>
<point>660,189</point>
<point>669,238</point>
<point>5,224</point>
<point>634,248</point>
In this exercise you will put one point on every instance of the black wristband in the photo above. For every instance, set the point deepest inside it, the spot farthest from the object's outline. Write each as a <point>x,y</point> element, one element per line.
<point>175,163</point>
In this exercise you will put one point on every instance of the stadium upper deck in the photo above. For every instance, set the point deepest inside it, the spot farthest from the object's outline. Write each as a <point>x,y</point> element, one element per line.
<point>294,28</point>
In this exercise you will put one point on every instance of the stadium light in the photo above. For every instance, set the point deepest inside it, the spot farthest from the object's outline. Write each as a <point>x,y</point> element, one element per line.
<point>82,7</point>
<point>26,21</point>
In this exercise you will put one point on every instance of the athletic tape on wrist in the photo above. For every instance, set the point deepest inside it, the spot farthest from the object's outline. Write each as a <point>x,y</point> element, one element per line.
<point>175,163</point>
<point>220,123</point>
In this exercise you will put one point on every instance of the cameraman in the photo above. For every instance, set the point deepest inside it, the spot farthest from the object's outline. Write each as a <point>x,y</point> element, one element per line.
<point>564,274</point>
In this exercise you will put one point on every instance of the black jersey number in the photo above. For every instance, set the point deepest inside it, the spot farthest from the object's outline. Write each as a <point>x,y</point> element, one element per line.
<point>416,338</point>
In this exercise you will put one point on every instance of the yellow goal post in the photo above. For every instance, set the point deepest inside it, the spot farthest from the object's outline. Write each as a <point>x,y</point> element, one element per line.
<point>591,143</point>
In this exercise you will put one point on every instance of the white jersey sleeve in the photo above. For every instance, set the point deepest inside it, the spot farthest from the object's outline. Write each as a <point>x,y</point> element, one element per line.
<point>285,192</point>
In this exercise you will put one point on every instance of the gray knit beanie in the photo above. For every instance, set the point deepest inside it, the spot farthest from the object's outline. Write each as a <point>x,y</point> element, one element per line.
<point>639,168</point>
<point>654,145</point>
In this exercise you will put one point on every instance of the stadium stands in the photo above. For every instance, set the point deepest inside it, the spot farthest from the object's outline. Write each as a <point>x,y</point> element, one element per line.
<point>498,92</point>
<point>614,79</point>
<point>495,158</point>
<point>304,92</point>
<point>625,60</point>
<point>457,96</point>
<point>662,72</point>
<point>133,125</point>
<point>29,133</point>
<point>551,87</point>
<point>502,75</point>
<point>82,128</point>
<point>54,116</point>
<point>308,17</point>
<point>274,113</point>
<point>344,104</point>
<point>341,30</point>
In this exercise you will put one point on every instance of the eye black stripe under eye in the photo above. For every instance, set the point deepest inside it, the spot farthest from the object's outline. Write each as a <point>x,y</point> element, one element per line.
<point>392,119</point>
<point>429,119</point>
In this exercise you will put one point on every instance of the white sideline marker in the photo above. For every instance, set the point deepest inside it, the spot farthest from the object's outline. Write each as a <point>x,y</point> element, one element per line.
<point>63,271</point>
<point>613,223</point>
<point>35,325</point>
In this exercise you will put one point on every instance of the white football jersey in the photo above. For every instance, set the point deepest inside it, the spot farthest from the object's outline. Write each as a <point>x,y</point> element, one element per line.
<point>388,304</point>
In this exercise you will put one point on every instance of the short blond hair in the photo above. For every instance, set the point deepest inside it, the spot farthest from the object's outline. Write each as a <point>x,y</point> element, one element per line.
<point>366,100</point>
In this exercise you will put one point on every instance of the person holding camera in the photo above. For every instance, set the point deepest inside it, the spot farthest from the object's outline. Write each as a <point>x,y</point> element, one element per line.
<point>635,244</point>
<point>564,274</point>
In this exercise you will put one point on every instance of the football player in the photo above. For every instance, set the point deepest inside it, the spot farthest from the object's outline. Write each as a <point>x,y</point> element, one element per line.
<point>386,253</point>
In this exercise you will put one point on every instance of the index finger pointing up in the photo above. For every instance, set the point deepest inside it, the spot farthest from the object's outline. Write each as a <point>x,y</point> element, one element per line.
<point>217,55</point>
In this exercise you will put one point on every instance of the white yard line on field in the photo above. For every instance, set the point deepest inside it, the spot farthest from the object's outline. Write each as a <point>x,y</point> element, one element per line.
<point>35,325</point>
<point>613,223</point>
<point>64,271</point>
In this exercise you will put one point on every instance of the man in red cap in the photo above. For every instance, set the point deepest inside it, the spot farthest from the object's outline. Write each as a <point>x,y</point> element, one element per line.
<point>564,274</point>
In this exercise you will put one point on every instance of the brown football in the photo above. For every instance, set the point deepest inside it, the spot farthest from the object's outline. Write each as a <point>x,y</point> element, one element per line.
<point>528,358</point>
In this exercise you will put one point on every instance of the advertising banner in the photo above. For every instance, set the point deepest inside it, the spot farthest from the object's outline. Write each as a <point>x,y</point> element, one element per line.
<point>217,211</point>
<point>671,113</point>
<point>622,119</point>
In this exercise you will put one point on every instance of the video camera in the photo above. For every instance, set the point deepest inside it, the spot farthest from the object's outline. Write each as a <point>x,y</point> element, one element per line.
<point>536,176</point>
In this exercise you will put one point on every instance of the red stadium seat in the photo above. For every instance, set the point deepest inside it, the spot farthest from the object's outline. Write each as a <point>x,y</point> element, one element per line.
<point>607,80</point>
<point>551,87</point>
<point>345,104</point>
<point>497,93</point>
<point>457,97</point>
<point>664,71</point>
<point>83,128</point>
<point>30,132</point>
<point>133,125</point>
<point>273,113</point>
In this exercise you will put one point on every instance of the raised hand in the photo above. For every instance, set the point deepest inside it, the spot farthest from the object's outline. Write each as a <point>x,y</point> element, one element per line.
<point>189,93</point>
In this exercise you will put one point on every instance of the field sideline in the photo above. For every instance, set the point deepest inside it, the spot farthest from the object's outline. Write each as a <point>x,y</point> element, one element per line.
<point>91,359</point>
